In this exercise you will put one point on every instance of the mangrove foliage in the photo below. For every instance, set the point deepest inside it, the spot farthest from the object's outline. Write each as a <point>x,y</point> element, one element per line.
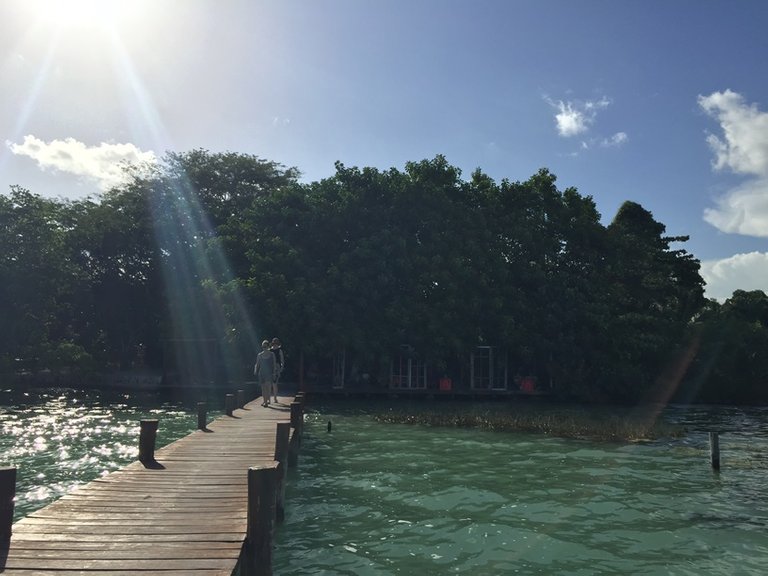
<point>219,250</point>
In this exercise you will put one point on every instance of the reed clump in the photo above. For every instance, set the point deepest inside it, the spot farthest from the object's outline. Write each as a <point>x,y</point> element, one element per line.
<point>610,428</point>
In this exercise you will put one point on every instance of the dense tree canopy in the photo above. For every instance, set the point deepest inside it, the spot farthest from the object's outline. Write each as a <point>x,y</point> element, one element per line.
<point>732,361</point>
<point>204,255</point>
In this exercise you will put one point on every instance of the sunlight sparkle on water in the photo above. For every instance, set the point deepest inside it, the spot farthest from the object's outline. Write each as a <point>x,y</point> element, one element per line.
<point>58,440</point>
<point>103,450</point>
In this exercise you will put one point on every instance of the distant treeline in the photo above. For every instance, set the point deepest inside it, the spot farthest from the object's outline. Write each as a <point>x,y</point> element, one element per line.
<point>217,251</point>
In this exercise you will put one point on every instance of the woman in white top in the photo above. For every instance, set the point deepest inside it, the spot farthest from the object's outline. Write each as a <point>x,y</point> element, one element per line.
<point>265,371</point>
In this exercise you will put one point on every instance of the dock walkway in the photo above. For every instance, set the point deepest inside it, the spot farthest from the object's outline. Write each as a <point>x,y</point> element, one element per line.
<point>185,514</point>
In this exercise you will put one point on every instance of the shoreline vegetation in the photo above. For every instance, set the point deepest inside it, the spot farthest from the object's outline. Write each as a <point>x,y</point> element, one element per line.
<point>414,276</point>
<point>581,426</point>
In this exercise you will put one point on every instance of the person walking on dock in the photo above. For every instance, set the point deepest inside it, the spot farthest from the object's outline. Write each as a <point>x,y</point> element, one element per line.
<point>265,371</point>
<point>277,350</point>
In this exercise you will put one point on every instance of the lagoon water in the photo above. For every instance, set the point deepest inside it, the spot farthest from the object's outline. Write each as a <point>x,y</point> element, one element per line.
<point>377,499</point>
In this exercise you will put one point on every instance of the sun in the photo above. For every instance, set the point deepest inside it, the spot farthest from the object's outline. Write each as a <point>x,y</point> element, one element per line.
<point>80,13</point>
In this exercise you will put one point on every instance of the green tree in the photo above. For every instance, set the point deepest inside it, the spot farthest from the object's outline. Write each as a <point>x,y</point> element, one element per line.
<point>732,361</point>
<point>35,275</point>
<point>551,248</point>
<point>654,293</point>
<point>120,297</point>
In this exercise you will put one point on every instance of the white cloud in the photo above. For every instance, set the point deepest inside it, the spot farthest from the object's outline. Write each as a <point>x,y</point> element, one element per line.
<point>573,118</point>
<point>596,104</point>
<point>739,272</point>
<point>570,121</point>
<point>618,139</point>
<point>104,164</point>
<point>743,210</point>
<point>742,149</point>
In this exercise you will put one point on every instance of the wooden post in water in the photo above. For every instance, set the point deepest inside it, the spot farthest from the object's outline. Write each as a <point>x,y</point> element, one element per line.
<point>293,450</point>
<point>714,450</point>
<point>241,398</point>
<point>282,440</point>
<point>202,416</point>
<point>229,404</point>
<point>147,438</point>
<point>7,496</point>
<point>297,417</point>
<point>297,423</point>
<point>257,552</point>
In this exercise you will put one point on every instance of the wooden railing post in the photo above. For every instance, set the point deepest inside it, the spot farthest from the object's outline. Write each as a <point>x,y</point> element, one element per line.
<point>202,416</point>
<point>241,398</point>
<point>257,552</point>
<point>7,497</point>
<point>229,404</point>
<point>297,416</point>
<point>714,450</point>
<point>297,423</point>
<point>147,439</point>
<point>282,439</point>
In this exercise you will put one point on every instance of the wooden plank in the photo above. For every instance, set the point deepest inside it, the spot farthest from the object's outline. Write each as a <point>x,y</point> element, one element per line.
<point>137,528</point>
<point>28,549</point>
<point>133,538</point>
<point>185,514</point>
<point>145,506</point>
<point>154,490</point>
<point>155,564</point>
<point>116,572</point>
<point>106,512</point>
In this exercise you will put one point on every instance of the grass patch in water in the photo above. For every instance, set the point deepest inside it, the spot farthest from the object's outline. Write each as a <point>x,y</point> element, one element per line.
<point>563,424</point>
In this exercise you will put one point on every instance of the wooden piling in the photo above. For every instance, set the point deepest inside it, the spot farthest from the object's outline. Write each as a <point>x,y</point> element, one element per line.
<point>147,439</point>
<point>202,416</point>
<point>257,552</point>
<point>714,450</point>
<point>297,423</point>
<point>7,496</point>
<point>241,398</point>
<point>293,451</point>
<point>297,417</point>
<point>229,404</point>
<point>282,441</point>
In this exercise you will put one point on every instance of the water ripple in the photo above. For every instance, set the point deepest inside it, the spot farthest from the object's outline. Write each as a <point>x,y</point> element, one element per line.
<point>376,499</point>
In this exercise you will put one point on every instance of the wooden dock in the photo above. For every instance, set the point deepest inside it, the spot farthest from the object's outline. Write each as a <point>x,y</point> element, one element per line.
<point>184,513</point>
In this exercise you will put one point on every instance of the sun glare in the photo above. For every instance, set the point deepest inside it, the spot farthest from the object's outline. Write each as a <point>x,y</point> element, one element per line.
<point>80,13</point>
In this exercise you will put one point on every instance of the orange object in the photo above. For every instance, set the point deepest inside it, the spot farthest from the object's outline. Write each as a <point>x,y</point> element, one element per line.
<point>445,383</point>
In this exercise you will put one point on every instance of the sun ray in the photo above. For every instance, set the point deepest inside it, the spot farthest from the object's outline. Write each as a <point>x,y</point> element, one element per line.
<point>202,296</point>
<point>32,97</point>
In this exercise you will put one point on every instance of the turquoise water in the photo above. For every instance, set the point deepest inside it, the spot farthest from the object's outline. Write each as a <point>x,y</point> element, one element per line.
<point>380,499</point>
<point>61,438</point>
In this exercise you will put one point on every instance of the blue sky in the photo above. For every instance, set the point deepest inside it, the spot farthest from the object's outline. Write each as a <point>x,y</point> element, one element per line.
<point>664,102</point>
